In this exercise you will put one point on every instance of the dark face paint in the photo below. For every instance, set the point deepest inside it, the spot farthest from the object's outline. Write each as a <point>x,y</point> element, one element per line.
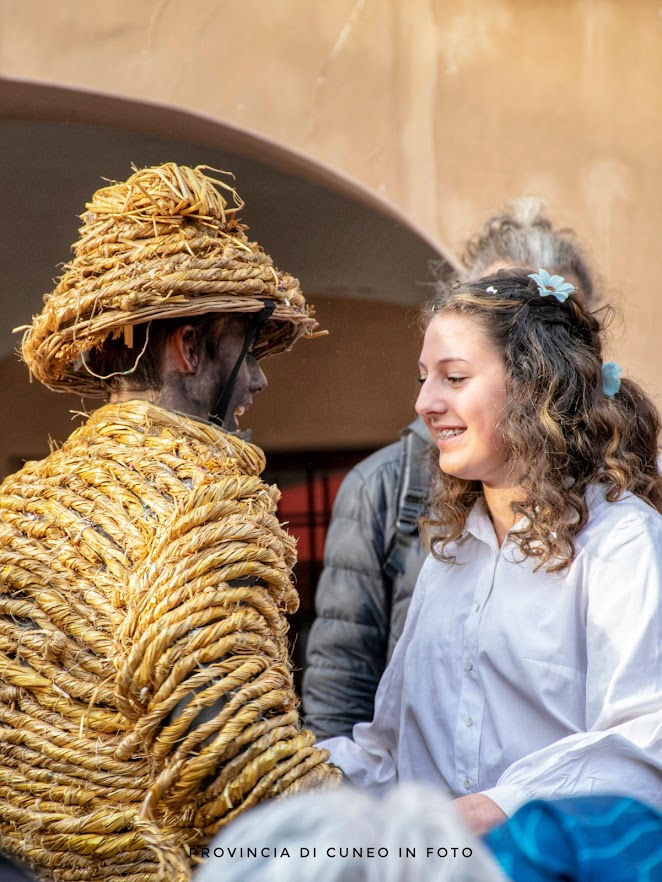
<point>215,369</point>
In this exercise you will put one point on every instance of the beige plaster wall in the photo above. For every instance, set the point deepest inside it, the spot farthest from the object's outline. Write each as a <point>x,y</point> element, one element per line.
<point>447,107</point>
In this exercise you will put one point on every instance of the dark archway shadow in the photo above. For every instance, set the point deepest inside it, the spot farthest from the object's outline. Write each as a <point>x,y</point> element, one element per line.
<point>339,238</point>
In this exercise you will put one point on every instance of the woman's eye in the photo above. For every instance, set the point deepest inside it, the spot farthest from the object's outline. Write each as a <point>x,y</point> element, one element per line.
<point>421,380</point>
<point>454,380</point>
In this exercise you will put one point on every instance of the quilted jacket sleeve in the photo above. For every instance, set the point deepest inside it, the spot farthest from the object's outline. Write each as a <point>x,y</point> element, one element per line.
<point>347,645</point>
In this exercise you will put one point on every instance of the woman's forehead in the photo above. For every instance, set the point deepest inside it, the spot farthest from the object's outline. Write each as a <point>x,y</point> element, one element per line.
<point>458,336</point>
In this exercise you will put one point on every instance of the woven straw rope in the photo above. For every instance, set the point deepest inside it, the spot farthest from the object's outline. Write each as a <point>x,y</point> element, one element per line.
<point>163,244</point>
<point>145,579</point>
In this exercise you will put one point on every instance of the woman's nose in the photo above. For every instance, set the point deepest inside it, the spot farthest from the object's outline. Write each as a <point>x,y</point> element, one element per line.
<point>429,401</point>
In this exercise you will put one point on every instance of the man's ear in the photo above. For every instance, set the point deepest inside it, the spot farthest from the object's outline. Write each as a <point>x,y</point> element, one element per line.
<point>181,349</point>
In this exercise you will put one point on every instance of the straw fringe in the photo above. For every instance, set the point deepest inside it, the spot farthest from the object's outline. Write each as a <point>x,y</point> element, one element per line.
<point>163,244</point>
<point>146,694</point>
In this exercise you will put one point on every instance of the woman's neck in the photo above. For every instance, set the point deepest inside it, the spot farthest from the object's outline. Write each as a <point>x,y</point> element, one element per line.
<point>499,502</point>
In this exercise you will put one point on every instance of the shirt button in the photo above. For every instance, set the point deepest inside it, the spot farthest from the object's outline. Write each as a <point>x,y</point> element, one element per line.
<point>468,665</point>
<point>476,606</point>
<point>467,783</point>
<point>468,721</point>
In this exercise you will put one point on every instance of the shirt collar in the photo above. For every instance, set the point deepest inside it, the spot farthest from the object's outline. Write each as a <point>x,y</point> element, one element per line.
<point>479,524</point>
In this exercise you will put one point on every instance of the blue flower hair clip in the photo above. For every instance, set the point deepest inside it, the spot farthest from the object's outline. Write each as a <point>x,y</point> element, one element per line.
<point>555,285</point>
<point>611,378</point>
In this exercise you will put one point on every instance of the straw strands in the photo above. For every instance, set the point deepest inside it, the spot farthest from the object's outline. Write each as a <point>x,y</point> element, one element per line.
<point>165,243</point>
<point>146,694</point>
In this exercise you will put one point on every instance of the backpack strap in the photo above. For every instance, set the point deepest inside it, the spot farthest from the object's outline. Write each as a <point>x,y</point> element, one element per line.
<point>413,491</point>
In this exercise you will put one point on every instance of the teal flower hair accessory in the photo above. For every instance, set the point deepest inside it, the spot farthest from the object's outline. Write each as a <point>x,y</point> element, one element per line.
<point>555,285</point>
<point>611,378</point>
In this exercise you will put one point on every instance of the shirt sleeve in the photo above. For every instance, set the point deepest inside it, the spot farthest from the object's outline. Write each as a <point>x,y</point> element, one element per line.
<point>347,645</point>
<point>368,759</point>
<point>620,752</point>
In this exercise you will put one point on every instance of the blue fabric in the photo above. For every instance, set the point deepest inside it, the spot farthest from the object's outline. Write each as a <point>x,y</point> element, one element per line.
<point>580,839</point>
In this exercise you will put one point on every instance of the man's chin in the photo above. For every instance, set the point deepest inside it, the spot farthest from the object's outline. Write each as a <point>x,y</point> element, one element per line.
<point>231,426</point>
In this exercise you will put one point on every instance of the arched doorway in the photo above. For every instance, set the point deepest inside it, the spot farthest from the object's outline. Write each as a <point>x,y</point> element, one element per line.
<point>359,259</point>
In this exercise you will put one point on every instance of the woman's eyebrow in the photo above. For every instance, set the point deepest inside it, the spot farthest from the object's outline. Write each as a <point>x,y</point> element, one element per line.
<point>446,360</point>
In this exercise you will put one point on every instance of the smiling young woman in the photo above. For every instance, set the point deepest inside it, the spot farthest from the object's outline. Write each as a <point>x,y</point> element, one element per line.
<point>545,430</point>
<point>462,400</point>
<point>373,551</point>
<point>529,663</point>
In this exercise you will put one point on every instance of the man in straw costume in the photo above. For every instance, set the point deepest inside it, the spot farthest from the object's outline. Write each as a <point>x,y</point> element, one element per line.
<point>146,694</point>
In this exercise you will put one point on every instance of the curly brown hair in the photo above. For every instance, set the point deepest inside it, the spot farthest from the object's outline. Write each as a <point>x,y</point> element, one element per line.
<point>559,428</point>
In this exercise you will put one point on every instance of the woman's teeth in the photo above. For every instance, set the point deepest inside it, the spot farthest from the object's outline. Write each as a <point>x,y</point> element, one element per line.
<point>448,433</point>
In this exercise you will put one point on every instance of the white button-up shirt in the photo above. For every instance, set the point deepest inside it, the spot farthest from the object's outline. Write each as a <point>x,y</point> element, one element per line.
<point>520,683</point>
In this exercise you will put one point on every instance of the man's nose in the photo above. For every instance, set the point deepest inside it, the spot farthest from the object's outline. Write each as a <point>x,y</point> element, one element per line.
<point>258,379</point>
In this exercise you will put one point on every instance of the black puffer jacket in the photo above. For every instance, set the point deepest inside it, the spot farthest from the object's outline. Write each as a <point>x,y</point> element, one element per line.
<point>361,608</point>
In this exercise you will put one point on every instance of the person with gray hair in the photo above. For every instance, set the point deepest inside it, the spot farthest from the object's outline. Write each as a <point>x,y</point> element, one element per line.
<point>522,236</point>
<point>413,834</point>
<point>373,554</point>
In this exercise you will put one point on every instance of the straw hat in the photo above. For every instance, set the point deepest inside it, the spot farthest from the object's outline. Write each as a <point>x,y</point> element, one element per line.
<point>165,243</point>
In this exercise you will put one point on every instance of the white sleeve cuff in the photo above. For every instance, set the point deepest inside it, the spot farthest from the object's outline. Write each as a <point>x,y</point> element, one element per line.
<point>508,797</point>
